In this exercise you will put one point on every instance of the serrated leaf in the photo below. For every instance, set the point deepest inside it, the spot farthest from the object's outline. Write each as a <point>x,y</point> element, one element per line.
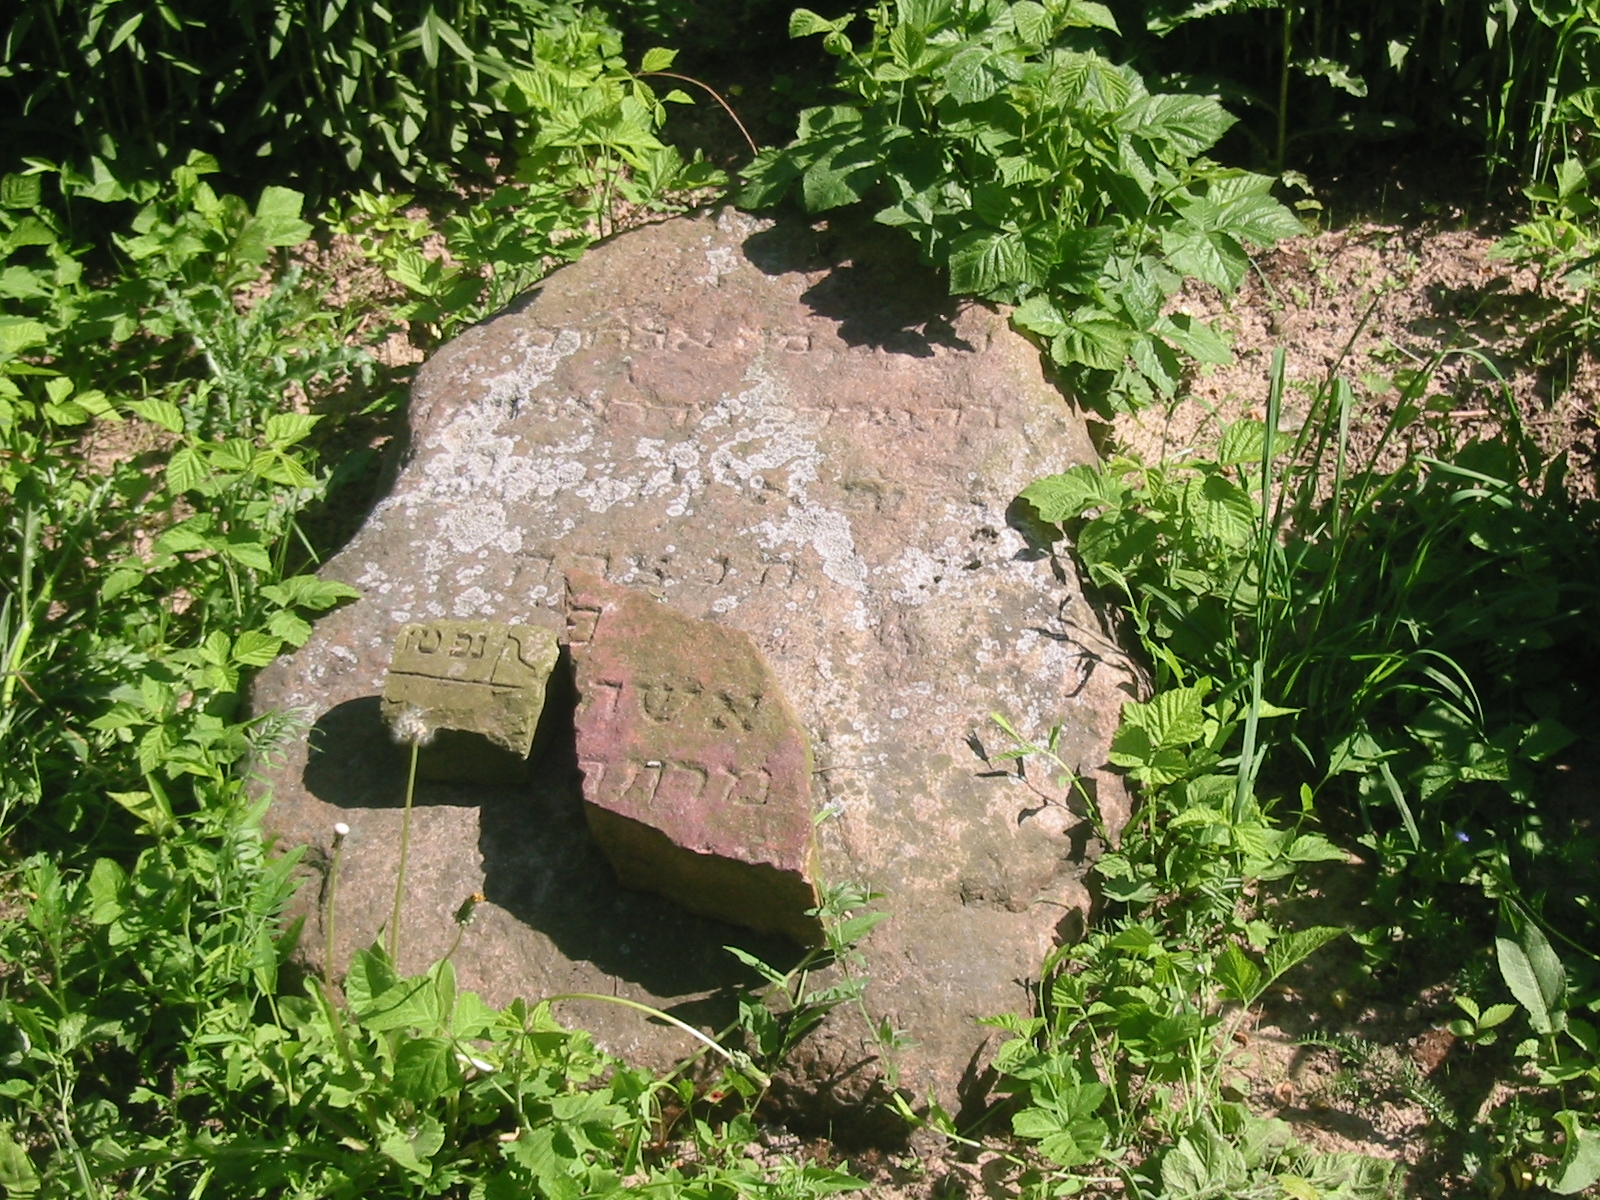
<point>657,58</point>
<point>1063,497</point>
<point>975,74</point>
<point>1294,948</point>
<point>1033,21</point>
<point>425,1069</point>
<point>1096,340</point>
<point>1191,125</point>
<point>1532,970</point>
<point>255,649</point>
<point>1240,978</point>
<point>1208,255</point>
<point>982,260</point>
<point>21,191</point>
<point>1087,14</point>
<point>1313,847</point>
<point>803,23</point>
<point>21,333</point>
<point>285,429</point>
<point>162,412</point>
<point>246,552</point>
<point>1175,717</point>
<point>17,1173</point>
<point>186,469</point>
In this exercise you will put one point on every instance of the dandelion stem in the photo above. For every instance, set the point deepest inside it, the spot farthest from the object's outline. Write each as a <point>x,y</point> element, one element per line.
<point>331,908</point>
<point>405,849</point>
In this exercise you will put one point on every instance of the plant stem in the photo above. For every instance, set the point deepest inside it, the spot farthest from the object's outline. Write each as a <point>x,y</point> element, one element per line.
<point>405,850</point>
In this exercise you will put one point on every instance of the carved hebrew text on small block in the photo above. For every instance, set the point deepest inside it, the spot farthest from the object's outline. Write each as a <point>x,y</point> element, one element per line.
<point>668,702</point>
<point>752,787</point>
<point>607,697</point>
<point>737,711</point>
<point>580,625</point>
<point>473,677</point>
<point>682,783</point>
<point>639,783</point>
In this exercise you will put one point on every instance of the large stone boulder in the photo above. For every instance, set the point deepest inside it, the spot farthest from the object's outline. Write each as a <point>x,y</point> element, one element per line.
<point>793,433</point>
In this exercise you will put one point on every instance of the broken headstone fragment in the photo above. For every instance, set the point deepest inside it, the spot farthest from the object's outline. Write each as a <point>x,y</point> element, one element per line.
<point>479,686</point>
<point>696,771</point>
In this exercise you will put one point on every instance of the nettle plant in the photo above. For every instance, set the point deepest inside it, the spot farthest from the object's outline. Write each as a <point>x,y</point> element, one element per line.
<point>1039,173</point>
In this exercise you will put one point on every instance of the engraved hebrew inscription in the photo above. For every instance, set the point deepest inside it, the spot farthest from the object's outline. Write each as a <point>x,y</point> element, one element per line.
<point>473,676</point>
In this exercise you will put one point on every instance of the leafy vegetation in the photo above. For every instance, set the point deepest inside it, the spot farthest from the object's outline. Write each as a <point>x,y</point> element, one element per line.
<point>1320,695</point>
<point>1038,172</point>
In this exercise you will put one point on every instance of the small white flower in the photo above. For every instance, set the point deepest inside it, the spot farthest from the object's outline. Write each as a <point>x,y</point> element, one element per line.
<point>341,831</point>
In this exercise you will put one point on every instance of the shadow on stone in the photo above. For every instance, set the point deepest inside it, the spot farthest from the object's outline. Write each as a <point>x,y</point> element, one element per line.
<point>876,289</point>
<point>539,862</point>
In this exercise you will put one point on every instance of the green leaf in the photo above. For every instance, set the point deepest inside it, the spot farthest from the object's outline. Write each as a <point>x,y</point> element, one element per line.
<point>409,1004</point>
<point>21,191</point>
<point>1068,495</point>
<point>1240,978</point>
<point>246,552</point>
<point>163,412</point>
<point>285,429</point>
<point>1210,256</point>
<point>975,74</point>
<point>1544,738</point>
<point>307,591</point>
<point>186,469</point>
<point>1294,948</point>
<point>150,808</point>
<point>1531,969</point>
<point>1096,340</point>
<point>1190,124</point>
<point>981,260</point>
<point>21,333</point>
<point>1038,314</point>
<point>1035,25</point>
<point>803,23</point>
<point>17,1173</point>
<point>1313,847</point>
<point>253,648</point>
<point>657,59</point>
<point>1087,14</point>
<point>370,976</point>
<point>412,1145</point>
<point>1579,1167</point>
<point>1175,717</point>
<point>425,1069</point>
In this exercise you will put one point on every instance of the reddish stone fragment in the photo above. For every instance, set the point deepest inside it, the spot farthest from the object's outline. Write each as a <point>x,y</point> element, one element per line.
<point>696,772</point>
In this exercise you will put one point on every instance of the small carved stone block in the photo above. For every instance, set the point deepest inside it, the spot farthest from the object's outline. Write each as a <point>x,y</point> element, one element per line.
<point>481,685</point>
<point>696,772</point>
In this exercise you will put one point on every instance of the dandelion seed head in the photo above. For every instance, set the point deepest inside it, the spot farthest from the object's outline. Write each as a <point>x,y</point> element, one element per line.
<point>410,726</point>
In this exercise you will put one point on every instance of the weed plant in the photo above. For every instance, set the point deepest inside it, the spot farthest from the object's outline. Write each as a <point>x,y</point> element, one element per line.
<point>159,455</point>
<point>1348,664</point>
<point>1038,172</point>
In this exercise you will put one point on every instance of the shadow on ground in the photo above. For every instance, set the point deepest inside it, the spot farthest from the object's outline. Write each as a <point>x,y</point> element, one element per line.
<point>539,862</point>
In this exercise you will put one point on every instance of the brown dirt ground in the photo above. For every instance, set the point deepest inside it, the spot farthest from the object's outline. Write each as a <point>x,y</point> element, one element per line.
<point>1370,299</point>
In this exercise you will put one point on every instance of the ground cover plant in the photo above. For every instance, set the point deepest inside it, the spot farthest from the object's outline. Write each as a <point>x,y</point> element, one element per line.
<point>1318,698</point>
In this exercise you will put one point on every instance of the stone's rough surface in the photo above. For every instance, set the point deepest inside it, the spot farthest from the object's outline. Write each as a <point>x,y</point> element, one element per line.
<point>789,433</point>
<point>696,772</point>
<point>475,680</point>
